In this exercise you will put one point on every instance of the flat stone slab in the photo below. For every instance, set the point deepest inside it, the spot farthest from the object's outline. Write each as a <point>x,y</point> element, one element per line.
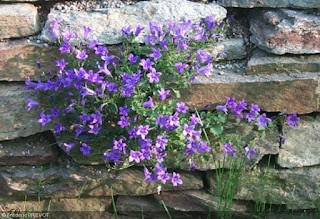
<point>15,121</point>
<point>112,20</point>
<point>287,93</point>
<point>302,145</point>
<point>18,20</point>
<point>72,181</point>
<point>305,4</point>
<point>283,31</point>
<point>233,48</point>
<point>297,188</point>
<point>20,60</point>
<point>38,149</point>
<point>265,63</point>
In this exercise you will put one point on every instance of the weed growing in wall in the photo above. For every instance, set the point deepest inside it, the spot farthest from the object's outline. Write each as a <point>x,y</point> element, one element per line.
<point>127,108</point>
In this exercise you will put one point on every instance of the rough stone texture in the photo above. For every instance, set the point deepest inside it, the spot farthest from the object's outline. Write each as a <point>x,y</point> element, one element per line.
<point>287,93</point>
<point>15,121</point>
<point>54,204</point>
<point>18,20</point>
<point>71,181</point>
<point>262,62</point>
<point>302,145</point>
<point>137,207</point>
<point>108,29</point>
<point>20,58</point>
<point>304,4</point>
<point>297,188</point>
<point>234,49</point>
<point>283,31</point>
<point>34,150</point>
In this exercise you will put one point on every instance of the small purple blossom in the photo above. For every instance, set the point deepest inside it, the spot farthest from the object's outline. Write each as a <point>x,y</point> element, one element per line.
<point>85,149</point>
<point>248,152</point>
<point>206,70</point>
<point>86,32</point>
<point>132,58</point>
<point>163,94</point>
<point>123,122</point>
<point>181,66</point>
<point>222,108</point>
<point>142,131</point>
<point>263,120</point>
<point>146,64</point>
<point>44,119</point>
<point>81,55</point>
<point>156,54</point>
<point>134,156</point>
<point>31,104</point>
<point>138,30</point>
<point>176,179</point>
<point>149,103</point>
<point>292,120</point>
<point>181,107</point>
<point>61,64</point>
<point>68,146</point>
<point>228,149</point>
<point>154,76</point>
<point>126,31</point>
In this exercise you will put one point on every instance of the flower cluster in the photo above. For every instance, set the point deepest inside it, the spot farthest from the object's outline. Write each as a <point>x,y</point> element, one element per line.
<point>126,106</point>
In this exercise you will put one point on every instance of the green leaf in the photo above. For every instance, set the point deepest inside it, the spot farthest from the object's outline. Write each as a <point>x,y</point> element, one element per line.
<point>177,93</point>
<point>217,129</point>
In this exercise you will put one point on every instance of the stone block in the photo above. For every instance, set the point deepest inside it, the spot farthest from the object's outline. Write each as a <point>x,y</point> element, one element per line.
<point>18,20</point>
<point>20,60</point>
<point>305,4</point>
<point>283,31</point>
<point>302,145</point>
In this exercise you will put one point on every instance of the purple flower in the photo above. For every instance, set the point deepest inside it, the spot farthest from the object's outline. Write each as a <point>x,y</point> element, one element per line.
<point>119,145</point>
<point>44,119</point>
<point>123,122</point>
<point>65,48</point>
<point>205,70</point>
<point>188,130</point>
<point>194,119</point>
<point>248,152</point>
<point>86,32</point>
<point>263,120</point>
<point>148,176</point>
<point>81,55</point>
<point>237,111</point>
<point>163,94</point>
<point>156,54</point>
<point>93,44</point>
<point>55,112</point>
<point>132,58</point>
<point>142,131</point>
<point>104,69</point>
<point>101,50</point>
<point>222,108</point>
<point>154,76</point>
<point>149,103</point>
<point>68,147</point>
<point>203,56</point>
<point>254,111</point>
<point>61,64</point>
<point>228,149</point>
<point>181,107</point>
<point>181,66</point>
<point>134,156</point>
<point>31,104</point>
<point>114,156</point>
<point>231,102</point>
<point>162,120</point>
<point>292,120</point>
<point>85,149</point>
<point>126,31</point>
<point>123,111</point>
<point>138,30</point>
<point>58,128</point>
<point>146,64</point>
<point>54,28</point>
<point>210,22</point>
<point>67,35</point>
<point>175,179</point>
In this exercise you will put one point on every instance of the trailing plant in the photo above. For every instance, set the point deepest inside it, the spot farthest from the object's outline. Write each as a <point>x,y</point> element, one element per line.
<point>128,108</point>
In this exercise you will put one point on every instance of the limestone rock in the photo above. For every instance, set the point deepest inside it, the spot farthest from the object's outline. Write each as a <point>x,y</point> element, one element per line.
<point>234,49</point>
<point>34,150</point>
<point>283,31</point>
<point>18,20</point>
<point>297,188</point>
<point>302,145</point>
<point>287,93</point>
<point>20,60</point>
<point>15,121</point>
<point>305,4</point>
<point>111,21</point>
<point>264,63</point>
<point>71,181</point>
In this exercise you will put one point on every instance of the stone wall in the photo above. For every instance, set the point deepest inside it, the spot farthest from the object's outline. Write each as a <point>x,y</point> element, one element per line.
<point>272,59</point>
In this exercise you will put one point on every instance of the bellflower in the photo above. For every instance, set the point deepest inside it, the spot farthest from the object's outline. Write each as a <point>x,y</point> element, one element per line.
<point>31,104</point>
<point>263,121</point>
<point>292,120</point>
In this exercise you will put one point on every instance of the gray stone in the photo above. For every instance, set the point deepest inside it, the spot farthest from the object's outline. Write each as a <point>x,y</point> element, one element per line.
<point>15,121</point>
<point>72,181</point>
<point>301,147</point>
<point>141,206</point>
<point>287,93</point>
<point>297,188</point>
<point>234,49</point>
<point>34,150</point>
<point>112,20</point>
<point>20,59</point>
<point>18,20</point>
<point>283,31</point>
<point>305,4</point>
<point>265,63</point>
